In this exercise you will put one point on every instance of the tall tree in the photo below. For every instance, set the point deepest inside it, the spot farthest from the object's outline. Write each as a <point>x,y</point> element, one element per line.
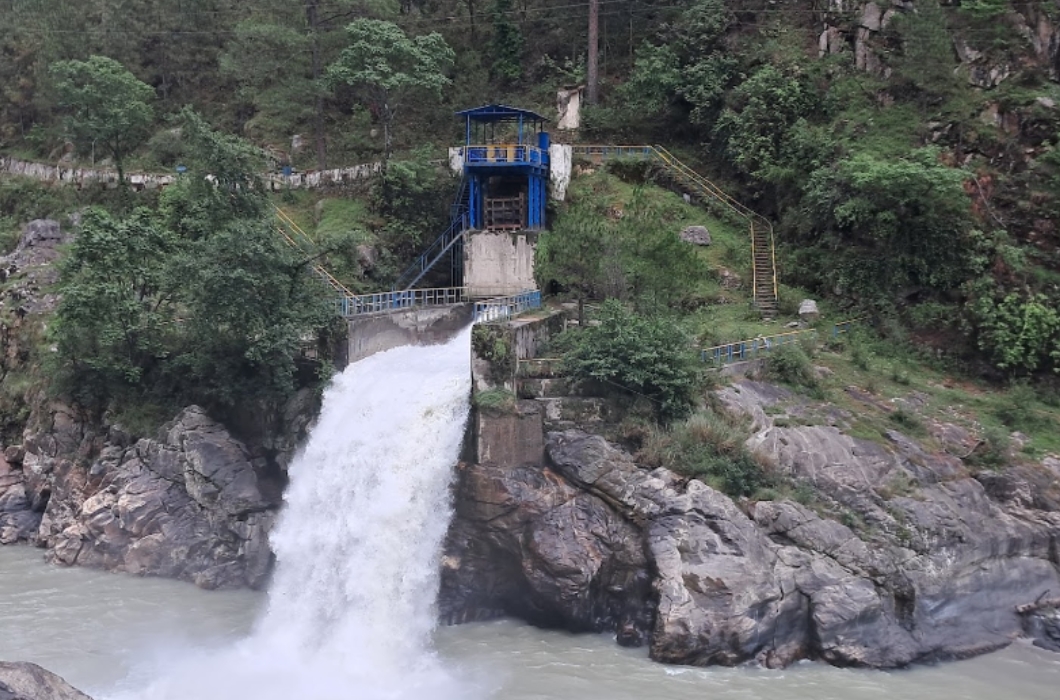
<point>577,253</point>
<point>389,66</point>
<point>115,321</point>
<point>106,105</point>
<point>507,48</point>
<point>592,68</point>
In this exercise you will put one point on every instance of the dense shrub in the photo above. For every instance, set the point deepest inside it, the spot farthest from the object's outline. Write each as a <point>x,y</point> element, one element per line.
<point>199,301</point>
<point>638,355</point>
<point>709,446</point>
<point>790,364</point>
<point>1019,332</point>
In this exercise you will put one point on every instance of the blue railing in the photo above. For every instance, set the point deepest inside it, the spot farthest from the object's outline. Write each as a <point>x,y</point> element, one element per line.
<point>750,349</point>
<point>458,223</point>
<point>506,307</point>
<point>386,302</point>
<point>505,154</point>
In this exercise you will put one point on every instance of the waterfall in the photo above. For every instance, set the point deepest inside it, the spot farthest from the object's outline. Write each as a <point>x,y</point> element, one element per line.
<point>350,611</point>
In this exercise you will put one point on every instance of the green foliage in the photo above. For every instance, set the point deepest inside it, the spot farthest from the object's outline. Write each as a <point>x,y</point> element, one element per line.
<point>908,422</point>
<point>389,67</point>
<point>927,59</point>
<point>413,195</point>
<point>1020,332</point>
<point>644,356</point>
<point>22,200</point>
<point>507,44</point>
<point>222,184</point>
<point>491,343</point>
<point>197,302</point>
<point>116,320</point>
<point>894,223</point>
<point>638,257</point>
<point>709,446</point>
<point>759,115</point>
<point>268,59</point>
<point>1019,410</point>
<point>495,402</point>
<point>790,364</point>
<point>106,106</point>
<point>577,253</point>
<point>660,269</point>
<point>985,9</point>
<point>687,66</point>
<point>992,450</point>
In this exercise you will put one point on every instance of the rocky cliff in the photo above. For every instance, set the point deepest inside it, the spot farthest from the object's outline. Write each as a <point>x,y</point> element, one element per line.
<point>185,505</point>
<point>192,502</point>
<point>188,504</point>
<point>929,559</point>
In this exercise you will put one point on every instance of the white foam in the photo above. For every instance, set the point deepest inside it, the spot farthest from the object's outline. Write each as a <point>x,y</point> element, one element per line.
<point>350,611</point>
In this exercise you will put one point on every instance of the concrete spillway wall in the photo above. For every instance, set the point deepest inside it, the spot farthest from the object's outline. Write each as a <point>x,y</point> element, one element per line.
<point>368,335</point>
<point>499,264</point>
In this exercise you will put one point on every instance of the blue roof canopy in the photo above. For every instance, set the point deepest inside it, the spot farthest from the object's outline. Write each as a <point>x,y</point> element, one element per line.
<point>500,113</point>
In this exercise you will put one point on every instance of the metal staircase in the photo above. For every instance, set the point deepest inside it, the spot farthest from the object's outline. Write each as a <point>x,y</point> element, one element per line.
<point>763,247</point>
<point>450,243</point>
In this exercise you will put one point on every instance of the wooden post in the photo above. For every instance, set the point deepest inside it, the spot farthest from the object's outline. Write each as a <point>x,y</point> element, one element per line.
<point>594,44</point>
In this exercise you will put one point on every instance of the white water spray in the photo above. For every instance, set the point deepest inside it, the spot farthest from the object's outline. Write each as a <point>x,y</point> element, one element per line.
<point>351,608</point>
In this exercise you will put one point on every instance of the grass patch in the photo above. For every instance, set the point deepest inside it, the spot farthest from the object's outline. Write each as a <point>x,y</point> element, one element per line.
<point>142,419</point>
<point>992,451</point>
<point>1019,410</point>
<point>791,365</point>
<point>908,422</point>
<point>495,402</point>
<point>709,446</point>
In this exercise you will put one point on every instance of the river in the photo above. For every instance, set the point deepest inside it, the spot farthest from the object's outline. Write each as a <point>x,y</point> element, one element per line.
<point>349,613</point>
<point>110,634</point>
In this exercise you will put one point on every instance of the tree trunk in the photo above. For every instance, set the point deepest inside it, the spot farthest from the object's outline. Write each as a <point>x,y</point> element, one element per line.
<point>388,137</point>
<point>471,15</point>
<point>592,76</point>
<point>313,19</point>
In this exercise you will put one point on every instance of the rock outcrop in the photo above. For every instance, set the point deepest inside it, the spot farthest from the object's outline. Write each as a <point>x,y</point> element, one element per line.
<point>26,681</point>
<point>18,519</point>
<point>26,277</point>
<point>527,543</point>
<point>905,555</point>
<point>187,505</point>
<point>696,235</point>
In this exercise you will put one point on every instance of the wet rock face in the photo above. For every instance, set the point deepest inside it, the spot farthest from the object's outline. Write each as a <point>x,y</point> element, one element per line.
<point>18,520</point>
<point>26,681</point>
<point>526,543</point>
<point>1042,625</point>
<point>727,592</point>
<point>929,562</point>
<point>185,505</point>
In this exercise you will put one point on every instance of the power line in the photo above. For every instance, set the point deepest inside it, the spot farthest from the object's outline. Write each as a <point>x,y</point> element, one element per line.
<point>486,15</point>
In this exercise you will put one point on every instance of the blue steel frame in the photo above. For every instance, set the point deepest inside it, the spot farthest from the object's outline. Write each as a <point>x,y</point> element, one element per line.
<point>523,159</point>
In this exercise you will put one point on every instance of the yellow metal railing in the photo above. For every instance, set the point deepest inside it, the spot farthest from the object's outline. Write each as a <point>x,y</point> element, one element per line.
<point>758,224</point>
<point>307,244</point>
